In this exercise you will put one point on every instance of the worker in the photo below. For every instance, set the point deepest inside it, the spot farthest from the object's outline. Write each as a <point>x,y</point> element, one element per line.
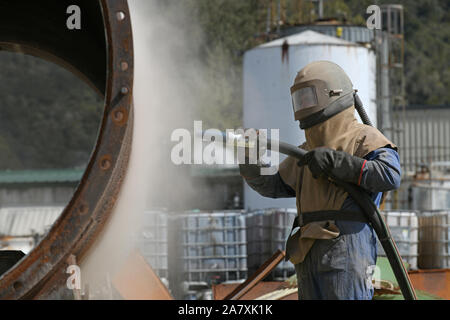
<point>332,245</point>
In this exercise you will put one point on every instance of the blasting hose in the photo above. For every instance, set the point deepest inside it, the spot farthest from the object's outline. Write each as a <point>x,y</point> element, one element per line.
<point>361,111</point>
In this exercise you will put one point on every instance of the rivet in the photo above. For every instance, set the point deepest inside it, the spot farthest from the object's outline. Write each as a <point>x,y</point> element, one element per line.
<point>118,115</point>
<point>124,66</point>
<point>105,163</point>
<point>83,208</point>
<point>120,15</point>
<point>17,285</point>
<point>124,90</point>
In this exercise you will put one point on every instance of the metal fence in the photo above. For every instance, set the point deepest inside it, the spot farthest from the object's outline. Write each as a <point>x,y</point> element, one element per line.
<point>423,135</point>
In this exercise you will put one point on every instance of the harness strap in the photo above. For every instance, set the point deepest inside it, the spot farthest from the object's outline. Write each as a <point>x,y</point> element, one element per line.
<point>317,216</point>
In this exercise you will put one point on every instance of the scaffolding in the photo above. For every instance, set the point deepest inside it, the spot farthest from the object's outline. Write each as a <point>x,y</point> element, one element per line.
<point>389,43</point>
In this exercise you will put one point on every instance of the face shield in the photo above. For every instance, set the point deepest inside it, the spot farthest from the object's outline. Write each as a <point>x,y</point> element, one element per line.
<point>308,97</point>
<point>304,98</point>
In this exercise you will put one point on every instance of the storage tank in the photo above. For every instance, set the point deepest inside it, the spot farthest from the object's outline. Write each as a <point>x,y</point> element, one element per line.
<point>269,72</point>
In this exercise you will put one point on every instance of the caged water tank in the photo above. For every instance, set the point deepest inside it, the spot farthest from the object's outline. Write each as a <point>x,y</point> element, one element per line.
<point>267,232</point>
<point>404,227</point>
<point>153,241</point>
<point>209,247</point>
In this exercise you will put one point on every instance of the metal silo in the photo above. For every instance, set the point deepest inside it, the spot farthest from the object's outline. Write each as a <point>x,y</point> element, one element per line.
<point>269,71</point>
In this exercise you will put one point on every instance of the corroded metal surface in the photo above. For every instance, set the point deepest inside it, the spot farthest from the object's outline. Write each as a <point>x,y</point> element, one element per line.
<point>41,274</point>
<point>436,281</point>
<point>136,280</point>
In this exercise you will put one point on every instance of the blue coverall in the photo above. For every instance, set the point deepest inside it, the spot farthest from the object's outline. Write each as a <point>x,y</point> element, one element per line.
<point>341,268</point>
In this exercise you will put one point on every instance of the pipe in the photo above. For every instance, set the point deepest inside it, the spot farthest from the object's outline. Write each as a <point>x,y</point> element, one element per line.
<point>361,111</point>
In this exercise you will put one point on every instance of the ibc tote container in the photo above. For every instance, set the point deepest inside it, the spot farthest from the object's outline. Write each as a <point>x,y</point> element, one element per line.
<point>153,241</point>
<point>434,244</point>
<point>210,247</point>
<point>404,226</point>
<point>267,231</point>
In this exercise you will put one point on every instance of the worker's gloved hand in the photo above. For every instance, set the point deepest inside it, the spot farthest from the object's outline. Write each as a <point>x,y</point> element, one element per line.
<point>250,171</point>
<point>340,165</point>
<point>254,148</point>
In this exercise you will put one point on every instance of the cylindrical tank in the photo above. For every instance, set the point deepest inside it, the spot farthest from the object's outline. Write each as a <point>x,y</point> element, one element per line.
<point>269,72</point>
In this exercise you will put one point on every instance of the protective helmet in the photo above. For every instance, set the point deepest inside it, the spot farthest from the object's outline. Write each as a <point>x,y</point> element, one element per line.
<point>321,90</point>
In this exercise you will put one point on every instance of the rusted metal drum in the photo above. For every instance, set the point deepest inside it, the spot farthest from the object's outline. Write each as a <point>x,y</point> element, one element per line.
<point>101,53</point>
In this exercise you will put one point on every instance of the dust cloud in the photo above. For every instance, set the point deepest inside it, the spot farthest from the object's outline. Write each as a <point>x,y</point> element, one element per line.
<point>168,82</point>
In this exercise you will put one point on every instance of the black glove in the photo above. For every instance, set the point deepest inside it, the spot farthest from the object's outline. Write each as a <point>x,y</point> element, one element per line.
<point>339,165</point>
<point>250,171</point>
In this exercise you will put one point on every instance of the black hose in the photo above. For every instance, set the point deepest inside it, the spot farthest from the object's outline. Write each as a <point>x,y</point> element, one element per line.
<point>287,149</point>
<point>361,111</point>
<point>378,223</point>
<point>384,235</point>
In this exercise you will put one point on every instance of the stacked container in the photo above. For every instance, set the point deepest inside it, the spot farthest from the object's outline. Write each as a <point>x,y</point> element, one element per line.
<point>404,227</point>
<point>267,231</point>
<point>209,247</point>
<point>153,241</point>
<point>434,235</point>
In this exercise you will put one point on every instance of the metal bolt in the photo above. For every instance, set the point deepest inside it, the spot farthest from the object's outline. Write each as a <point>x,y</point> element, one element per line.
<point>124,90</point>
<point>17,285</point>
<point>120,15</point>
<point>118,115</point>
<point>105,163</point>
<point>83,208</point>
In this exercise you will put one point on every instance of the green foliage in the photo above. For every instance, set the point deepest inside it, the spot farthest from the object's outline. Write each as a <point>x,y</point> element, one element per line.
<point>49,118</point>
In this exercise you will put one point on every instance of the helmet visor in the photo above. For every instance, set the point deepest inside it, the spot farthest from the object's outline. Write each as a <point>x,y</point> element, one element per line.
<point>304,98</point>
